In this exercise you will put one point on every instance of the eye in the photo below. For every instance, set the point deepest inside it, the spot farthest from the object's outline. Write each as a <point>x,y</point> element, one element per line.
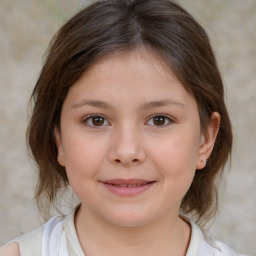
<point>159,120</point>
<point>96,121</point>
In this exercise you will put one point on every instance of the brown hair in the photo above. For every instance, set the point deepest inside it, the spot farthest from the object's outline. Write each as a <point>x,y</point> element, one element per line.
<point>115,26</point>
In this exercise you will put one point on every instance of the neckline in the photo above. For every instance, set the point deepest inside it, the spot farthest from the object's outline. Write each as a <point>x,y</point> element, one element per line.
<point>195,238</point>
<point>74,247</point>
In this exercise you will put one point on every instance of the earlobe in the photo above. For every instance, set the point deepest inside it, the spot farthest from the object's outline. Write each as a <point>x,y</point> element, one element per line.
<point>207,140</point>
<point>58,141</point>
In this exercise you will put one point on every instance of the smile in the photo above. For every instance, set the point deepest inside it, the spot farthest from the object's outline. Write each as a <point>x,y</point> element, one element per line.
<point>128,185</point>
<point>131,187</point>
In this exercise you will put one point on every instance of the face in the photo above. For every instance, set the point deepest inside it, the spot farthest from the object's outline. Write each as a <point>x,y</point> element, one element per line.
<point>130,139</point>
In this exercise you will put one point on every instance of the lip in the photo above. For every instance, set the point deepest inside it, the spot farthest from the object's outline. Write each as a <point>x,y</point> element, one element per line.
<point>128,187</point>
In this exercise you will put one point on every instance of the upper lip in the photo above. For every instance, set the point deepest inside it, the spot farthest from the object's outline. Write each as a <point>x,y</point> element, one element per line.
<point>127,181</point>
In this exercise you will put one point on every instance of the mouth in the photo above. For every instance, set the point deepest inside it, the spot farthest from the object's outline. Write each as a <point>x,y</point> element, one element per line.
<point>130,187</point>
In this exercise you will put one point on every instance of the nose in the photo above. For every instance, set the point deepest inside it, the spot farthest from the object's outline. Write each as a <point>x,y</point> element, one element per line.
<point>126,148</point>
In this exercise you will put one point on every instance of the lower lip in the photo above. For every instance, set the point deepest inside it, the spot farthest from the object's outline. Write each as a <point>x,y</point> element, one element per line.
<point>128,191</point>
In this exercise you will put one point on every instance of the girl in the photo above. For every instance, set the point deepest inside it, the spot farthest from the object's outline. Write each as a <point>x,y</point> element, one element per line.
<point>129,111</point>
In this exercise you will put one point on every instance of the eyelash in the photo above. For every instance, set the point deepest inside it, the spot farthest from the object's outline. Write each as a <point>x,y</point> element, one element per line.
<point>166,117</point>
<point>86,120</point>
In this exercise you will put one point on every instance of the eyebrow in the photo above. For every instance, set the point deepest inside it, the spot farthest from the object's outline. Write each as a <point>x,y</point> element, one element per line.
<point>161,103</point>
<point>147,105</point>
<point>93,103</point>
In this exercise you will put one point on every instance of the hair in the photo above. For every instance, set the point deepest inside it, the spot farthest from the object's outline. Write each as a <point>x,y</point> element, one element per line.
<point>117,26</point>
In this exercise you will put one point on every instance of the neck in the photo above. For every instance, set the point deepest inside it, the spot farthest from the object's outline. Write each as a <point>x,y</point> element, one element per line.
<point>169,235</point>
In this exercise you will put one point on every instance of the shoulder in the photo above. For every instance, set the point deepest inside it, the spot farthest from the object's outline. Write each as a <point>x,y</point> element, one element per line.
<point>11,249</point>
<point>202,244</point>
<point>219,248</point>
<point>226,250</point>
<point>28,244</point>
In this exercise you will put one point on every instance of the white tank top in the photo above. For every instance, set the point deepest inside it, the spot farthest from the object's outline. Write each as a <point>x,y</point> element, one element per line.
<point>58,238</point>
<point>54,241</point>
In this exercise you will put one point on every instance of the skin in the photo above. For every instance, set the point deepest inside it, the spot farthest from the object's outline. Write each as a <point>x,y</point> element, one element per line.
<point>10,250</point>
<point>130,144</point>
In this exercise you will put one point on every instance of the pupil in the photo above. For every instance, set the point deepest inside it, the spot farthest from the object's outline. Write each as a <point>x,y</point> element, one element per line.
<point>98,121</point>
<point>159,120</point>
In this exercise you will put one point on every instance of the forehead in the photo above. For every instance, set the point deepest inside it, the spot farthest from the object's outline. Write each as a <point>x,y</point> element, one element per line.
<point>138,75</point>
<point>129,66</point>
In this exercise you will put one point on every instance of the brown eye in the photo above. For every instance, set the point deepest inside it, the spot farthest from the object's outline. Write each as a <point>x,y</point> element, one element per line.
<point>159,120</point>
<point>96,121</point>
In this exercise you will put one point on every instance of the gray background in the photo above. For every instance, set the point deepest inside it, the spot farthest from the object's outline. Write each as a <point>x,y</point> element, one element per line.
<point>26,27</point>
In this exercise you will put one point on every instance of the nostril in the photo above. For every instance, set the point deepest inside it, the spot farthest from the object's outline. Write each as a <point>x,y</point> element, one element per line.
<point>133,161</point>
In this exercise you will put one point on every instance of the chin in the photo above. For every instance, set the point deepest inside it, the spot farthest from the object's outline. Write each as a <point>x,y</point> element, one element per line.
<point>129,218</point>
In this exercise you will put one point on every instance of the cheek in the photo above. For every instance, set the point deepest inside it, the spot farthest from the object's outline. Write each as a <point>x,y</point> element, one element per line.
<point>176,160</point>
<point>83,159</point>
<point>177,152</point>
<point>82,165</point>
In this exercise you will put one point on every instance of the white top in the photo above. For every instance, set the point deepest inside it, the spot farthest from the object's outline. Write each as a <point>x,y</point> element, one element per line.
<point>58,238</point>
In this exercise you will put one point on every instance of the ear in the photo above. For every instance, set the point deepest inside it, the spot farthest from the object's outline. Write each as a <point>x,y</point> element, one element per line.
<point>58,141</point>
<point>207,140</point>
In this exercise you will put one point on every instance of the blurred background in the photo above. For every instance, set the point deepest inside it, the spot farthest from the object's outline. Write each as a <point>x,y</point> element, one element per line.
<point>26,27</point>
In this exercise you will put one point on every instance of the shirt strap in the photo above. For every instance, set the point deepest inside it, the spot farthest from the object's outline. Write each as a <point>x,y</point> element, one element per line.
<point>54,240</point>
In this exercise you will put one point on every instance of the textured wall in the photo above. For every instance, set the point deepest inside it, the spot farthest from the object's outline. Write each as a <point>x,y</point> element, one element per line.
<point>26,27</point>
